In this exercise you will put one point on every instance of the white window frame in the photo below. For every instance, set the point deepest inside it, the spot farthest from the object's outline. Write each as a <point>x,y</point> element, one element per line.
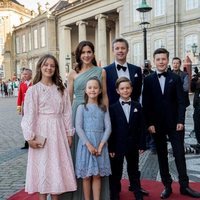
<point>1,45</point>
<point>43,36</point>
<point>35,38</point>
<point>23,43</point>
<point>189,40</point>
<point>29,42</point>
<point>159,7</point>
<point>17,41</point>
<point>136,14</point>
<point>191,4</point>
<point>158,43</point>
<point>137,53</point>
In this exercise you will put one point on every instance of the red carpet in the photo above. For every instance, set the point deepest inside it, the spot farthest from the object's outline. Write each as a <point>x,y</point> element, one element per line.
<point>154,188</point>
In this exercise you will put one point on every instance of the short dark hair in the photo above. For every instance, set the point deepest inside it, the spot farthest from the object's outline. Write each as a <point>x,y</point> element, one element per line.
<point>177,58</point>
<point>120,40</point>
<point>122,80</point>
<point>161,50</point>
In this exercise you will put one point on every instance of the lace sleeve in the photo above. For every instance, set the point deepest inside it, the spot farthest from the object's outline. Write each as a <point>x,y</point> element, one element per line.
<point>107,130</point>
<point>67,113</point>
<point>79,124</point>
<point>29,120</point>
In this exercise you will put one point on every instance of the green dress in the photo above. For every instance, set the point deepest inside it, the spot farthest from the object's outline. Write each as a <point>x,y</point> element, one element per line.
<point>79,88</point>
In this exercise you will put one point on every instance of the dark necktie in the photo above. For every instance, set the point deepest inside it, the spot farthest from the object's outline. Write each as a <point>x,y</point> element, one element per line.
<point>121,67</point>
<point>126,102</point>
<point>162,74</point>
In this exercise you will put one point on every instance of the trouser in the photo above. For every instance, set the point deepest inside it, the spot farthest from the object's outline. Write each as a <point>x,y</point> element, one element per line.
<point>177,141</point>
<point>132,170</point>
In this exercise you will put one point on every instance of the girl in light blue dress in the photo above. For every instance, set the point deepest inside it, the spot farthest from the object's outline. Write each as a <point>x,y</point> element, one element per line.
<point>93,128</point>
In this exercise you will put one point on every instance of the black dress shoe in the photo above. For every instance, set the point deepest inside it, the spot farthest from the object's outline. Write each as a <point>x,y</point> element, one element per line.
<point>190,192</point>
<point>25,147</point>
<point>138,196</point>
<point>166,193</point>
<point>143,191</point>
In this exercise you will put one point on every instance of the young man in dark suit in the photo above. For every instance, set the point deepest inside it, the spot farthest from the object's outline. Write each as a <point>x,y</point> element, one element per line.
<point>164,109</point>
<point>125,140</point>
<point>120,67</point>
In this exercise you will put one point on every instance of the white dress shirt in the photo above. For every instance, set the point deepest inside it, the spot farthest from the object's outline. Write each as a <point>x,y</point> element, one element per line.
<point>161,81</point>
<point>121,72</point>
<point>126,108</point>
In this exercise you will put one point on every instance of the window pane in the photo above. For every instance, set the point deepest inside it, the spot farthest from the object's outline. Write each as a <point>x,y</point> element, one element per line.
<point>29,42</point>
<point>23,43</point>
<point>191,4</point>
<point>189,41</point>
<point>137,54</point>
<point>35,39</point>
<point>136,14</point>
<point>43,37</point>
<point>159,7</point>
<point>17,45</point>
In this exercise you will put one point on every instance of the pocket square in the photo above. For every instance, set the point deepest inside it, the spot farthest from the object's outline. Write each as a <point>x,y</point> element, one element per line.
<point>171,80</point>
<point>136,75</point>
<point>135,110</point>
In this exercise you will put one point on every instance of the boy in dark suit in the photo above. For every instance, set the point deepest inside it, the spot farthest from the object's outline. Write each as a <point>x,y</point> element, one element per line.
<point>164,109</point>
<point>125,139</point>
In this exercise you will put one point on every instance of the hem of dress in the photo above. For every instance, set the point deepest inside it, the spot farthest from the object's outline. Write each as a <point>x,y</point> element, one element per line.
<point>54,193</point>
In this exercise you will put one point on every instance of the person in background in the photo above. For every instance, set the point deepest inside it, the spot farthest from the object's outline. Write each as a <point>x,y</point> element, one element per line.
<point>150,143</point>
<point>176,64</point>
<point>120,67</point>
<point>195,87</point>
<point>23,87</point>
<point>93,128</point>
<point>164,111</point>
<point>47,126</point>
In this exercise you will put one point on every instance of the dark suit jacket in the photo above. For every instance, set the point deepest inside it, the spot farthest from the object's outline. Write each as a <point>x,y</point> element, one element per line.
<point>111,77</point>
<point>126,136</point>
<point>163,111</point>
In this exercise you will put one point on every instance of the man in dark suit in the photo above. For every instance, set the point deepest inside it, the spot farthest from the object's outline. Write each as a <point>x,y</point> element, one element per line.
<point>120,67</point>
<point>164,109</point>
<point>126,139</point>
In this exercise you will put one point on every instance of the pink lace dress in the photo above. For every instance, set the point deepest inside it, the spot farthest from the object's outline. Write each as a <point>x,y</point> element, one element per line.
<point>48,113</point>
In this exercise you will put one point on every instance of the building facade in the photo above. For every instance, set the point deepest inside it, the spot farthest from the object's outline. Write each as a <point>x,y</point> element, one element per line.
<point>12,13</point>
<point>174,25</point>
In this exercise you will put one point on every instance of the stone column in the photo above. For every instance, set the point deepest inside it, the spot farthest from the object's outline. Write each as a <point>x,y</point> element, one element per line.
<point>64,49</point>
<point>81,30</point>
<point>102,39</point>
<point>119,10</point>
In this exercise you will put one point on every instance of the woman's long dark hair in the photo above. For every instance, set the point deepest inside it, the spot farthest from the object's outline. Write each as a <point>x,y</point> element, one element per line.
<point>78,52</point>
<point>56,78</point>
<point>100,96</point>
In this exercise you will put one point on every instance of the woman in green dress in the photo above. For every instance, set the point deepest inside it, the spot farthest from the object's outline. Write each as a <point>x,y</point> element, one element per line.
<point>86,68</point>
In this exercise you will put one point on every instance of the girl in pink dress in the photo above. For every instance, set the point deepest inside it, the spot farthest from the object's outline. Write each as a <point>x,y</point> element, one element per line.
<point>47,116</point>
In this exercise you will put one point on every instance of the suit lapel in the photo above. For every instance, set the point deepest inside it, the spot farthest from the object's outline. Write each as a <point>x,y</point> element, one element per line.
<point>156,84</point>
<point>131,111</point>
<point>114,72</point>
<point>131,72</point>
<point>121,111</point>
<point>168,77</point>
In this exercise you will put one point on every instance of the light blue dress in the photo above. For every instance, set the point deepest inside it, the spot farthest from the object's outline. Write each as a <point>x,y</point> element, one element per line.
<point>93,126</point>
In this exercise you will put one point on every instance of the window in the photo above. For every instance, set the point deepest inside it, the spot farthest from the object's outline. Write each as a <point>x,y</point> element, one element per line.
<point>17,45</point>
<point>159,43</point>
<point>1,45</point>
<point>159,7</point>
<point>136,14</point>
<point>137,54</point>
<point>23,43</point>
<point>35,39</point>
<point>189,41</point>
<point>43,42</point>
<point>191,4</point>
<point>29,42</point>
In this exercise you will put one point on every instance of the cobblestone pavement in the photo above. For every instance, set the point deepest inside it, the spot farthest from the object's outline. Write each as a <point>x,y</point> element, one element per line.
<point>13,159</point>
